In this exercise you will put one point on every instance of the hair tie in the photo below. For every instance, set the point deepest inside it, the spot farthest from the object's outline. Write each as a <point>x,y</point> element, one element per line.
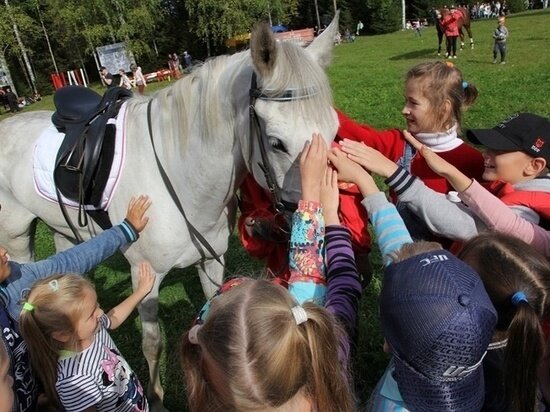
<point>192,334</point>
<point>519,297</point>
<point>54,285</point>
<point>465,84</point>
<point>28,307</point>
<point>300,314</point>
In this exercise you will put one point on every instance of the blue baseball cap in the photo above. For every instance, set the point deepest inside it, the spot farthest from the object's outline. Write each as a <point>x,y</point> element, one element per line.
<point>438,320</point>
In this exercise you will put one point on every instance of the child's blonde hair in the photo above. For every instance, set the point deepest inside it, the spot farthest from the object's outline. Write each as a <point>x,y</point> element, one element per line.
<point>507,266</point>
<point>439,82</point>
<point>54,306</point>
<point>251,354</point>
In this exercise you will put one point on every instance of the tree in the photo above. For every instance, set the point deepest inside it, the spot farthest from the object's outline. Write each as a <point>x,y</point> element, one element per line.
<point>383,16</point>
<point>214,20</point>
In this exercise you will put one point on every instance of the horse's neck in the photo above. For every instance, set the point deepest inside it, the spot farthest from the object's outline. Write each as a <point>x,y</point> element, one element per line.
<point>210,165</point>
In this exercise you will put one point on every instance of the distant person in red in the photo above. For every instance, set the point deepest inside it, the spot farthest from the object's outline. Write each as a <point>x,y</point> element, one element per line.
<point>449,25</point>
<point>435,96</point>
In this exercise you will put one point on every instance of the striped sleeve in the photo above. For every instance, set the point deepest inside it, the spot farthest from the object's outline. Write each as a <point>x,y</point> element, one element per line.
<point>400,181</point>
<point>130,233</point>
<point>389,228</point>
<point>343,287</point>
<point>78,392</point>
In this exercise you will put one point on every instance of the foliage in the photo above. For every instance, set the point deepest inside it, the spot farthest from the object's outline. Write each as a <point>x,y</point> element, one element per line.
<point>517,6</point>
<point>217,21</point>
<point>384,16</point>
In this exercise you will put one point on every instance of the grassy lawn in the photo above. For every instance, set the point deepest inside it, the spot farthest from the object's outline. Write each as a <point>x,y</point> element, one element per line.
<point>367,79</point>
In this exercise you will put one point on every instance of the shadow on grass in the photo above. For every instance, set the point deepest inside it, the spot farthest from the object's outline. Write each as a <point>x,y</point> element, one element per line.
<point>416,54</point>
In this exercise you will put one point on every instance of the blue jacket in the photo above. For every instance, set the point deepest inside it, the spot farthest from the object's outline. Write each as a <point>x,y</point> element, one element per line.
<point>77,260</point>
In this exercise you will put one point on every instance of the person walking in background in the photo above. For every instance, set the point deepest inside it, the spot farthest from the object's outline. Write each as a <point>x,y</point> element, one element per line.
<point>106,77</point>
<point>359,27</point>
<point>188,60</point>
<point>449,25</point>
<point>139,79</point>
<point>124,80</point>
<point>501,36</point>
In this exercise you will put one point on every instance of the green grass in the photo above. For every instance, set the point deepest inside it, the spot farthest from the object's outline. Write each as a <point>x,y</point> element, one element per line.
<point>367,79</point>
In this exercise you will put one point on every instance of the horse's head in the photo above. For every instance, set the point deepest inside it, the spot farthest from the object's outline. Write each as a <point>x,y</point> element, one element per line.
<point>291,100</point>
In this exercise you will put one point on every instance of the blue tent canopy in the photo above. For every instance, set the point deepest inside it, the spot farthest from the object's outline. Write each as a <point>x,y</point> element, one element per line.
<point>279,29</point>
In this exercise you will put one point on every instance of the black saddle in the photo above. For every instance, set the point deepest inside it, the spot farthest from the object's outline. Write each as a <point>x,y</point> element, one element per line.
<point>84,159</point>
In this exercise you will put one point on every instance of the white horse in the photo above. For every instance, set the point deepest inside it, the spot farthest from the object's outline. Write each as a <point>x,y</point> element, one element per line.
<point>202,132</point>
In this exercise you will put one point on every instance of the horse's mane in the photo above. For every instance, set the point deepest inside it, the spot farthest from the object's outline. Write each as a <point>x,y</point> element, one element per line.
<point>206,96</point>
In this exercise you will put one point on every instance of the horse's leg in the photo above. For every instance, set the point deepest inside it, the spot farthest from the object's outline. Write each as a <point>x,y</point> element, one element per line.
<point>440,40</point>
<point>62,242</point>
<point>469,30</point>
<point>151,340</point>
<point>211,275</point>
<point>461,33</point>
<point>17,228</point>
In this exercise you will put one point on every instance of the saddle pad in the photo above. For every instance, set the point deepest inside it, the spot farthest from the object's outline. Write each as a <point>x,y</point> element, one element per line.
<point>45,153</point>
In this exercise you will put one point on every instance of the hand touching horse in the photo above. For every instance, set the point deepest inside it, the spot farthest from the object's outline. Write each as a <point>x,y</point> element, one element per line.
<point>208,133</point>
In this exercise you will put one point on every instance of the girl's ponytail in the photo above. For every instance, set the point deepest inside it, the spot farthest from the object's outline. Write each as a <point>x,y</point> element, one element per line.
<point>525,342</point>
<point>324,337</point>
<point>43,353</point>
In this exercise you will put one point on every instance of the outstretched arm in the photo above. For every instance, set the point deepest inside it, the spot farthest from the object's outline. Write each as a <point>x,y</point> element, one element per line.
<point>493,212</point>
<point>389,228</point>
<point>120,313</point>
<point>85,256</point>
<point>307,277</point>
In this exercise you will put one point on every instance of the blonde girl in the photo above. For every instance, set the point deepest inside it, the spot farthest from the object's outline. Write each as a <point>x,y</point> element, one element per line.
<point>257,346</point>
<point>436,95</point>
<point>71,351</point>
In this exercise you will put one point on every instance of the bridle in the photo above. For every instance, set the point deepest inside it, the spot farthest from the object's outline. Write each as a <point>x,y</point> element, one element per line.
<point>281,206</point>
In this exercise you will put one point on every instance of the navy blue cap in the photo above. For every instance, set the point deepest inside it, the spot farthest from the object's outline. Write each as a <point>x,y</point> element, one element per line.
<point>438,320</point>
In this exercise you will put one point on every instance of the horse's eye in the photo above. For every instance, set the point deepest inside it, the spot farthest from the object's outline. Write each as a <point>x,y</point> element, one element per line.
<point>277,144</point>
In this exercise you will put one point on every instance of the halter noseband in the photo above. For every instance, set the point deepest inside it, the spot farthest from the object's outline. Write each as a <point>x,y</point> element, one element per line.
<point>287,95</point>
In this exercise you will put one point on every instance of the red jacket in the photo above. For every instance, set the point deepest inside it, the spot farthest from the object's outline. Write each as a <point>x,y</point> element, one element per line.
<point>256,202</point>
<point>449,23</point>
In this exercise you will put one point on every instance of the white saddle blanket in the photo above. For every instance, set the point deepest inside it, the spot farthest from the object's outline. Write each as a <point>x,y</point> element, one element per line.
<point>45,153</point>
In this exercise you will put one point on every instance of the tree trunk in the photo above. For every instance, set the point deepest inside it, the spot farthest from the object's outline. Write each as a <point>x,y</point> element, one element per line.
<point>47,39</point>
<point>23,52</point>
<point>403,17</point>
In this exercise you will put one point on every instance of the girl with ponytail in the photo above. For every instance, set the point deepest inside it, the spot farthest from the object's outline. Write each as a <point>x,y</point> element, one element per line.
<point>257,346</point>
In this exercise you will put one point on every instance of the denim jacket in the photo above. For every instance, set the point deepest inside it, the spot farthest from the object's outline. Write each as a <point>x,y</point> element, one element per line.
<point>76,260</point>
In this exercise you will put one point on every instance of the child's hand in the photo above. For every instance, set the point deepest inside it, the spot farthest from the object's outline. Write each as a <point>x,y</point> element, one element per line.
<point>330,197</point>
<point>352,172</point>
<point>371,159</point>
<point>436,163</point>
<point>146,279</point>
<point>313,162</point>
<point>456,178</point>
<point>136,212</point>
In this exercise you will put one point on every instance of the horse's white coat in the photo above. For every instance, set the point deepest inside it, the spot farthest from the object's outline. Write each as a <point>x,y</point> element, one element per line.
<point>201,131</point>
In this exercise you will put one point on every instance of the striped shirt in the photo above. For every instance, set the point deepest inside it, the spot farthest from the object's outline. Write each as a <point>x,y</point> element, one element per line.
<point>99,376</point>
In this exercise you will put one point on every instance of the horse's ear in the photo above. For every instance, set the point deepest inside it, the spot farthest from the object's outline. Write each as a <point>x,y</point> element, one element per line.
<point>321,47</point>
<point>263,48</point>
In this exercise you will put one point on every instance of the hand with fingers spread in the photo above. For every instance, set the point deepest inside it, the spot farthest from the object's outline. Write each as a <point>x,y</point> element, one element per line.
<point>330,197</point>
<point>371,159</point>
<point>136,212</point>
<point>352,172</point>
<point>456,178</point>
<point>313,162</point>
<point>146,278</point>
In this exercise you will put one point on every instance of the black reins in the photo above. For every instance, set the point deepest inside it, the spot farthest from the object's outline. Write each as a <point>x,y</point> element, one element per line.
<point>281,206</point>
<point>196,237</point>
